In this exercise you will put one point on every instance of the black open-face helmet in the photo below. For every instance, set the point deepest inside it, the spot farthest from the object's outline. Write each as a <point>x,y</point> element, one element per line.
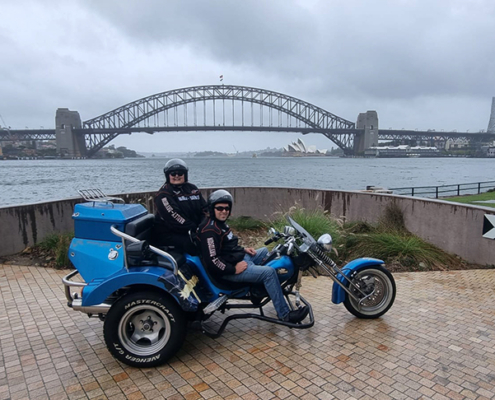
<point>219,196</point>
<point>175,164</point>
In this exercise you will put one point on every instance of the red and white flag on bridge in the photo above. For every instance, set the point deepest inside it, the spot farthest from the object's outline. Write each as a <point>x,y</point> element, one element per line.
<point>221,78</point>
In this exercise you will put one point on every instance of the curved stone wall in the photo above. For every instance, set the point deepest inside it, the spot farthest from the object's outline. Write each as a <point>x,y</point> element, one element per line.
<point>455,228</point>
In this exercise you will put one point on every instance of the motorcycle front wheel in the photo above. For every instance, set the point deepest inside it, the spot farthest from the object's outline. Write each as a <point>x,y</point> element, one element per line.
<point>377,282</point>
<point>144,329</point>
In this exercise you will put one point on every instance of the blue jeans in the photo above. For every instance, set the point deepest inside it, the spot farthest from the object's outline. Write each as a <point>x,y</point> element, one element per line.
<point>263,274</point>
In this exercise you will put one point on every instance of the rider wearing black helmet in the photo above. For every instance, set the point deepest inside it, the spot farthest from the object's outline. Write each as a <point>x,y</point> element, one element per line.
<point>175,165</point>
<point>179,205</point>
<point>219,196</point>
<point>226,259</point>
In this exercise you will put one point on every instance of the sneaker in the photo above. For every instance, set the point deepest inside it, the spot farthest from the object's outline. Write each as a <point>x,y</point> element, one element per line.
<point>297,315</point>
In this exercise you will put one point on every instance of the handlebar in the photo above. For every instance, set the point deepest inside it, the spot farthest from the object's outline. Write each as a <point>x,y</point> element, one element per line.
<point>271,240</point>
<point>276,236</point>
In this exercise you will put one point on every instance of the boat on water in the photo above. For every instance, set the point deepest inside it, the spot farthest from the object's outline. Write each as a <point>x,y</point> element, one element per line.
<point>404,151</point>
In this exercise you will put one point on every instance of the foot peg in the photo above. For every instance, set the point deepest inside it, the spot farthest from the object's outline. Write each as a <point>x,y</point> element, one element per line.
<point>215,305</point>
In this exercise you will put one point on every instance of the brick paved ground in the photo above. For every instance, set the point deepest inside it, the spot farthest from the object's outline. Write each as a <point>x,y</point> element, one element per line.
<point>437,342</point>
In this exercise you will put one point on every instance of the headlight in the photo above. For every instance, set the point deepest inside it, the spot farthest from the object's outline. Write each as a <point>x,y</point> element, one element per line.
<point>325,242</point>
<point>289,230</point>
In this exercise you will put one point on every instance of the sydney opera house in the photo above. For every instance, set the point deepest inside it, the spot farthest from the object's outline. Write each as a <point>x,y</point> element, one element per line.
<point>299,149</point>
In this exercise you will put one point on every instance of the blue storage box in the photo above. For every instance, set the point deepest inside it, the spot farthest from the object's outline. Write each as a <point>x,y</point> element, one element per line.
<point>93,220</point>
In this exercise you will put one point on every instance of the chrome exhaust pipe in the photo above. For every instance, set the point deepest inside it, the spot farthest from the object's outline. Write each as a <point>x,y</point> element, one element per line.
<point>96,309</point>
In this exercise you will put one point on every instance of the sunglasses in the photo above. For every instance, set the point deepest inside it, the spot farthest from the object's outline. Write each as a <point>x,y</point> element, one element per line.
<point>220,208</point>
<point>177,174</point>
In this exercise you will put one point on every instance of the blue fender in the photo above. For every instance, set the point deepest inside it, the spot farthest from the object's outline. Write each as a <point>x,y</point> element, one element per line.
<point>97,291</point>
<point>338,294</point>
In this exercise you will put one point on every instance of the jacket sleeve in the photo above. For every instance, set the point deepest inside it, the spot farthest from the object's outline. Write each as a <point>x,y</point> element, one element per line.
<point>170,212</point>
<point>210,254</point>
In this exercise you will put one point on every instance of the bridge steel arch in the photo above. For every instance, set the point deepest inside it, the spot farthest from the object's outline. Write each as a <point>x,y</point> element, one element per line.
<point>314,119</point>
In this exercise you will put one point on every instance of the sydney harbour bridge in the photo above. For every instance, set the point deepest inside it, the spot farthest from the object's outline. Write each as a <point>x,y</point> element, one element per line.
<point>222,108</point>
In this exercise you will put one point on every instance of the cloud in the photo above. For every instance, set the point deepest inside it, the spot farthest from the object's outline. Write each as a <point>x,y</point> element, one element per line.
<point>418,63</point>
<point>381,50</point>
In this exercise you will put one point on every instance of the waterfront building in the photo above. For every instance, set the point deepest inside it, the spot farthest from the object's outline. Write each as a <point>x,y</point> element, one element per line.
<point>299,149</point>
<point>451,144</point>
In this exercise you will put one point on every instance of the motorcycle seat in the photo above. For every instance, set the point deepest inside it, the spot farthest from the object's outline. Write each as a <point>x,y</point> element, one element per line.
<point>219,283</point>
<point>141,228</point>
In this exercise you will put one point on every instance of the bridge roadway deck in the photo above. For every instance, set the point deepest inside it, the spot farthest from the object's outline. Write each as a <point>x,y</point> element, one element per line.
<point>437,342</point>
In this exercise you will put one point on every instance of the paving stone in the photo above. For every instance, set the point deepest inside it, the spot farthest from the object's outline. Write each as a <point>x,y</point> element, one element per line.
<point>437,342</point>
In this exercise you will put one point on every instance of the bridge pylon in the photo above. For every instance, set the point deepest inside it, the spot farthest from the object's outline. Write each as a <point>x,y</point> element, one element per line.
<point>369,122</point>
<point>491,123</point>
<point>69,144</point>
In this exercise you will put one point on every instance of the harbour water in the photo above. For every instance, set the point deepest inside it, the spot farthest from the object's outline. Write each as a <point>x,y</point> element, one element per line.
<point>33,181</point>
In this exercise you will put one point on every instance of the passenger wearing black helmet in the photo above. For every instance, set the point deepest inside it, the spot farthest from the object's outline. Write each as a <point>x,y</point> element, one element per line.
<point>226,259</point>
<point>180,207</point>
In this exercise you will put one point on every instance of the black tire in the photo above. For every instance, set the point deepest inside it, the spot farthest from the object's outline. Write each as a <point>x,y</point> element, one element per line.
<point>144,329</point>
<point>369,279</point>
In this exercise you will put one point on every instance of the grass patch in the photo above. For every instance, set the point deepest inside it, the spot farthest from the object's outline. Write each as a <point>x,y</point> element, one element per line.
<point>57,245</point>
<point>401,250</point>
<point>474,199</point>
<point>390,241</point>
<point>244,223</point>
<point>316,222</point>
<point>251,232</point>
<point>392,220</point>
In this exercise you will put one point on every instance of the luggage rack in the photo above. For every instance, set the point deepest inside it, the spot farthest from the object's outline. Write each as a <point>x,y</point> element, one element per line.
<point>96,195</point>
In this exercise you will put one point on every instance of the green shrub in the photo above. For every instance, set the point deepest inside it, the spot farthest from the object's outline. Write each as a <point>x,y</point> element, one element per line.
<point>58,246</point>
<point>316,222</point>
<point>244,223</point>
<point>392,247</point>
<point>392,219</point>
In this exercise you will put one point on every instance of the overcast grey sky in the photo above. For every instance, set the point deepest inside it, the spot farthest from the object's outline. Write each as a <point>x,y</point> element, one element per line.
<point>425,64</point>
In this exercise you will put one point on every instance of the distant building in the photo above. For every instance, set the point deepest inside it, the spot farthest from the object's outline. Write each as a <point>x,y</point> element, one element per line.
<point>299,149</point>
<point>451,144</point>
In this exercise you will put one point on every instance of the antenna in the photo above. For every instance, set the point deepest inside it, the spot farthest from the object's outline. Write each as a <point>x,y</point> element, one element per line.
<point>235,149</point>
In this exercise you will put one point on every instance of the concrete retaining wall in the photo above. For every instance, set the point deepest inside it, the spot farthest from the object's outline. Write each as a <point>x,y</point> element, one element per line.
<point>455,228</point>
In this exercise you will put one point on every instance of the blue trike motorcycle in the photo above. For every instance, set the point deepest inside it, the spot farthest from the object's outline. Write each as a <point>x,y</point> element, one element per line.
<point>148,296</point>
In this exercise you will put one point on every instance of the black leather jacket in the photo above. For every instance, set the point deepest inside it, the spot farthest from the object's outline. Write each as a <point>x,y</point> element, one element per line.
<point>179,209</point>
<point>220,250</point>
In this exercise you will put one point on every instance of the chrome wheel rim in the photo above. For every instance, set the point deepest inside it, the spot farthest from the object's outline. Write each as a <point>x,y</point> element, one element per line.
<point>144,330</point>
<point>376,283</point>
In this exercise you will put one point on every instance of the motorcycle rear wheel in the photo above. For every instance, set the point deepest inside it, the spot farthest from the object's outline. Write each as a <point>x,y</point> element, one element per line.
<point>369,279</point>
<point>144,329</point>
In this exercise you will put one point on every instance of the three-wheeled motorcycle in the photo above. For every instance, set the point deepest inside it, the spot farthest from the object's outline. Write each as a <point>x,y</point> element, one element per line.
<point>148,296</point>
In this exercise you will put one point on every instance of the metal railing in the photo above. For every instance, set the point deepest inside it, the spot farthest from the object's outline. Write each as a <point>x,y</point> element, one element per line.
<point>445,190</point>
